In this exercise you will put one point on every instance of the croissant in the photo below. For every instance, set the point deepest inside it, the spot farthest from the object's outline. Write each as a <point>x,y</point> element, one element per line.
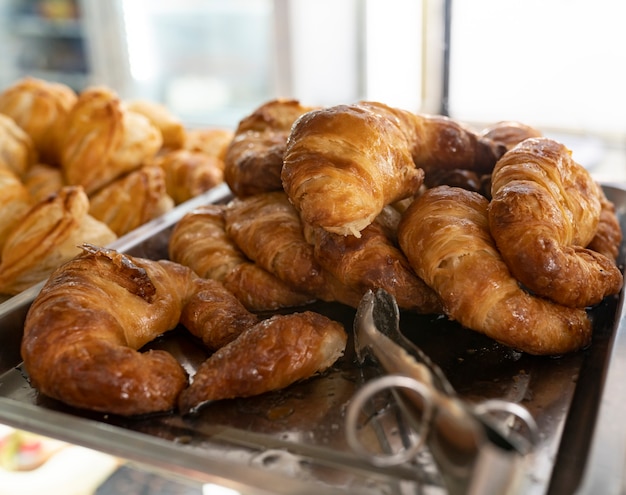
<point>210,141</point>
<point>103,140</point>
<point>343,164</point>
<point>445,235</point>
<point>509,133</point>
<point>189,173</point>
<point>271,355</point>
<point>83,330</point>
<point>40,108</point>
<point>47,236</point>
<point>254,158</point>
<point>370,262</point>
<point>267,228</point>
<point>545,209</point>
<point>17,151</point>
<point>132,200</point>
<point>608,238</point>
<point>199,241</point>
<point>14,203</point>
<point>171,128</point>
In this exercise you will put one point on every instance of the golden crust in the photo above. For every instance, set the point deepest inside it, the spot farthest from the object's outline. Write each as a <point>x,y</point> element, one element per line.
<point>17,151</point>
<point>445,235</point>
<point>47,236</point>
<point>545,209</point>
<point>14,203</point>
<point>104,140</point>
<point>210,141</point>
<point>40,108</point>
<point>170,126</point>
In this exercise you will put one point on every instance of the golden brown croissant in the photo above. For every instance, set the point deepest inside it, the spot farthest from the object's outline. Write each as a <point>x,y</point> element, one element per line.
<point>509,133</point>
<point>82,333</point>
<point>40,108</point>
<point>103,140</point>
<point>15,201</point>
<point>445,235</point>
<point>199,240</point>
<point>343,164</point>
<point>17,151</point>
<point>47,236</point>
<point>254,159</point>
<point>171,127</point>
<point>41,180</point>
<point>271,355</point>
<point>132,200</point>
<point>545,209</point>
<point>608,238</point>
<point>370,262</point>
<point>189,173</point>
<point>267,228</point>
<point>210,141</point>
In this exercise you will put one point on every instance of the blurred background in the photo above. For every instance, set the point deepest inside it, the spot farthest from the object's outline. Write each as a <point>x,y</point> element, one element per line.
<point>554,64</point>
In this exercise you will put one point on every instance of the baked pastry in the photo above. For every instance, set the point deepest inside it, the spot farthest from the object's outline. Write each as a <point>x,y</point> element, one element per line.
<point>199,241</point>
<point>370,262</point>
<point>132,200</point>
<point>83,331</point>
<point>545,210</point>
<point>608,238</point>
<point>189,173</point>
<point>40,107</point>
<point>171,127</point>
<point>509,133</point>
<point>17,151</point>
<point>41,180</point>
<point>267,229</point>
<point>445,235</point>
<point>14,203</point>
<point>344,164</point>
<point>212,141</point>
<point>254,159</point>
<point>47,236</point>
<point>270,355</point>
<point>104,141</point>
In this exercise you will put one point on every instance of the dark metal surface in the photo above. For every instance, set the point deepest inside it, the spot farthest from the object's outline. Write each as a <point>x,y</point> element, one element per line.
<point>294,440</point>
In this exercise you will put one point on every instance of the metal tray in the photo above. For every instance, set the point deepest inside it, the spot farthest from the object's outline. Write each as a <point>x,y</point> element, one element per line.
<point>293,441</point>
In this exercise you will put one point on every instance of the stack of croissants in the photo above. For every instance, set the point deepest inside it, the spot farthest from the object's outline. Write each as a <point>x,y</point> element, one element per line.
<point>500,230</point>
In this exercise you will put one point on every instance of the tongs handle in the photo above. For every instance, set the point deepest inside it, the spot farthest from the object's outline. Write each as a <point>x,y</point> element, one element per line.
<point>461,436</point>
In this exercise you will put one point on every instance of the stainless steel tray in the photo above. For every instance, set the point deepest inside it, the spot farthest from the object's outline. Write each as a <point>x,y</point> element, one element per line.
<point>293,441</point>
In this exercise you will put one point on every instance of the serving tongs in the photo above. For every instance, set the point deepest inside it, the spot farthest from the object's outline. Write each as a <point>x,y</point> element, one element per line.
<point>474,448</point>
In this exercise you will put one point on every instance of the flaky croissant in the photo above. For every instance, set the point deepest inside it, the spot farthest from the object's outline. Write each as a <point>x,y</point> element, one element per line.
<point>17,150</point>
<point>171,127</point>
<point>609,235</point>
<point>40,108</point>
<point>267,229</point>
<point>509,133</point>
<point>343,164</point>
<point>199,240</point>
<point>103,140</point>
<point>445,235</point>
<point>189,173</point>
<point>254,158</point>
<point>47,236</point>
<point>132,200</point>
<point>272,354</point>
<point>545,210</point>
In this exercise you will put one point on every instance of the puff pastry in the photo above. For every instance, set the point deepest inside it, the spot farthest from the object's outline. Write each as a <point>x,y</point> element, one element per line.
<point>15,201</point>
<point>47,236</point>
<point>17,151</point>
<point>254,159</point>
<point>40,108</point>
<point>41,180</point>
<point>199,240</point>
<point>132,200</point>
<point>212,141</point>
<point>545,209</point>
<point>103,140</point>
<point>445,235</point>
<point>171,127</point>
<point>608,238</point>
<point>509,133</point>
<point>270,355</point>
<point>189,173</point>
<point>343,164</point>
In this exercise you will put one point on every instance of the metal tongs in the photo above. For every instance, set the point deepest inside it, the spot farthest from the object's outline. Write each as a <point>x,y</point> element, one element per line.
<point>475,451</point>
